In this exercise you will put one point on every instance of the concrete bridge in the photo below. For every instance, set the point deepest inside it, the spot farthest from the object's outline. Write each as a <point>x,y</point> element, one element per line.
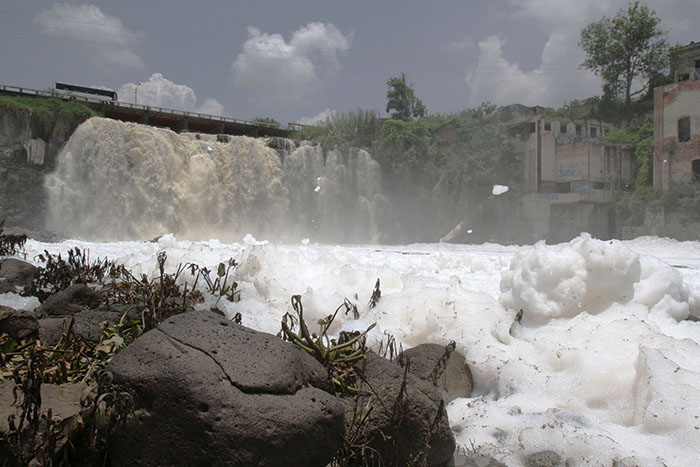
<point>176,120</point>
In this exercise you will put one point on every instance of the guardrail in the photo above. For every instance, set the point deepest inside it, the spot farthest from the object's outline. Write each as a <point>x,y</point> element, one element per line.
<point>128,105</point>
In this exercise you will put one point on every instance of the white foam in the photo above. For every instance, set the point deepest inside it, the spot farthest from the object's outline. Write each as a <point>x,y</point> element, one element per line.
<point>601,367</point>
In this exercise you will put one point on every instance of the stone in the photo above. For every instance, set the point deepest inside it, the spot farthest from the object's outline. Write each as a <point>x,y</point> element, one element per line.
<point>443,366</point>
<point>18,324</point>
<point>51,330</point>
<point>543,459</point>
<point>87,324</point>
<point>15,273</point>
<point>424,421</point>
<point>64,402</point>
<point>212,392</point>
<point>71,300</point>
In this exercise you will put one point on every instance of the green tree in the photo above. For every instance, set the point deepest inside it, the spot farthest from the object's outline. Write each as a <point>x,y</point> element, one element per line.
<point>402,100</point>
<point>627,48</point>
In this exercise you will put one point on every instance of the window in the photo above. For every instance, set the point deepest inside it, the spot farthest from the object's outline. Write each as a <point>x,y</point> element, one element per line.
<point>594,132</point>
<point>562,127</point>
<point>697,67</point>
<point>696,170</point>
<point>547,126</point>
<point>533,127</point>
<point>683,129</point>
<point>578,130</point>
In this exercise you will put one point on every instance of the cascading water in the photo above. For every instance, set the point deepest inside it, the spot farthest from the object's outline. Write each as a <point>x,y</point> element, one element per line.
<point>118,181</point>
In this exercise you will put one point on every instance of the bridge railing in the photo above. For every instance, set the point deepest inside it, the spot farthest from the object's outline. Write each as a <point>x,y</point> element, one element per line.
<point>128,105</point>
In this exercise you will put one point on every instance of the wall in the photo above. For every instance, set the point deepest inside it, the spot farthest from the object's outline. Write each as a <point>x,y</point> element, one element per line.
<point>672,158</point>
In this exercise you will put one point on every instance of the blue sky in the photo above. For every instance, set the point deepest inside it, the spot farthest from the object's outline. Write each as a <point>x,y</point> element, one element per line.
<point>294,61</point>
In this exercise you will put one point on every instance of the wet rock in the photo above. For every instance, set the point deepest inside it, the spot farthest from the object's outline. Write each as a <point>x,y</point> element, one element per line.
<point>211,392</point>
<point>443,366</point>
<point>71,300</point>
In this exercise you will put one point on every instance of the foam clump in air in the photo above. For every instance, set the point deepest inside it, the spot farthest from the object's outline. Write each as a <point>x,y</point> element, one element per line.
<point>499,189</point>
<point>561,281</point>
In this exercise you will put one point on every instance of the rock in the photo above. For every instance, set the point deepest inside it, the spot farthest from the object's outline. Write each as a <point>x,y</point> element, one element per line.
<point>18,324</point>
<point>64,404</point>
<point>543,459</point>
<point>71,300</point>
<point>423,406</point>
<point>51,330</point>
<point>211,392</point>
<point>15,273</point>
<point>86,324</point>
<point>444,367</point>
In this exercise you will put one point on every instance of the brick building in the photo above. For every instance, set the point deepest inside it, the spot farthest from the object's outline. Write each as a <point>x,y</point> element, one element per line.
<point>677,123</point>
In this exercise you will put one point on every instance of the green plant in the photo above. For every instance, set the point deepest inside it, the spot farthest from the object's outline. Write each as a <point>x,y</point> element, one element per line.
<point>338,356</point>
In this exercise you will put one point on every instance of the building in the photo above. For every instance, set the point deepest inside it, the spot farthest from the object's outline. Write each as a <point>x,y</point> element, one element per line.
<point>571,176</point>
<point>677,122</point>
<point>685,63</point>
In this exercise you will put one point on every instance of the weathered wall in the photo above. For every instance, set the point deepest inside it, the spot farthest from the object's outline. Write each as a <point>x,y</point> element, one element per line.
<point>673,158</point>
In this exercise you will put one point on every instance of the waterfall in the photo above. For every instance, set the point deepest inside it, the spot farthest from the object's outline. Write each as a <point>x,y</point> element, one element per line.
<point>125,181</point>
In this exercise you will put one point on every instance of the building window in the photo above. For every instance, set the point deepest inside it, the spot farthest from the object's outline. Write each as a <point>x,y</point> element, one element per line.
<point>696,170</point>
<point>683,129</point>
<point>562,127</point>
<point>547,126</point>
<point>533,127</point>
<point>594,132</point>
<point>578,130</point>
<point>697,68</point>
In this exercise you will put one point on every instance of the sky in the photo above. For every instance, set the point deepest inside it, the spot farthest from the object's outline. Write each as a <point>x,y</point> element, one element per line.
<point>305,60</point>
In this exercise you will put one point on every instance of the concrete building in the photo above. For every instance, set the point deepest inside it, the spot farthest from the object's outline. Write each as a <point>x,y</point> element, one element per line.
<point>571,176</point>
<point>685,63</point>
<point>677,123</point>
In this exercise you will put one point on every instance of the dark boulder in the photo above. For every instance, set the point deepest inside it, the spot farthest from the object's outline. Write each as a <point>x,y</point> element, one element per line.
<point>403,426</point>
<point>18,324</point>
<point>71,300</point>
<point>15,273</point>
<point>444,367</point>
<point>211,392</point>
<point>87,324</point>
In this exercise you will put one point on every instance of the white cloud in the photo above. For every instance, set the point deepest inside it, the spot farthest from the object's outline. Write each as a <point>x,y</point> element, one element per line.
<point>465,44</point>
<point>319,118</point>
<point>211,107</point>
<point>108,38</point>
<point>558,77</point>
<point>556,80</point>
<point>159,91</point>
<point>277,71</point>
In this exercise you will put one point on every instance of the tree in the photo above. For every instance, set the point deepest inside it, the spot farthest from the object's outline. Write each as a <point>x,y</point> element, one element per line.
<point>402,99</point>
<point>631,46</point>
